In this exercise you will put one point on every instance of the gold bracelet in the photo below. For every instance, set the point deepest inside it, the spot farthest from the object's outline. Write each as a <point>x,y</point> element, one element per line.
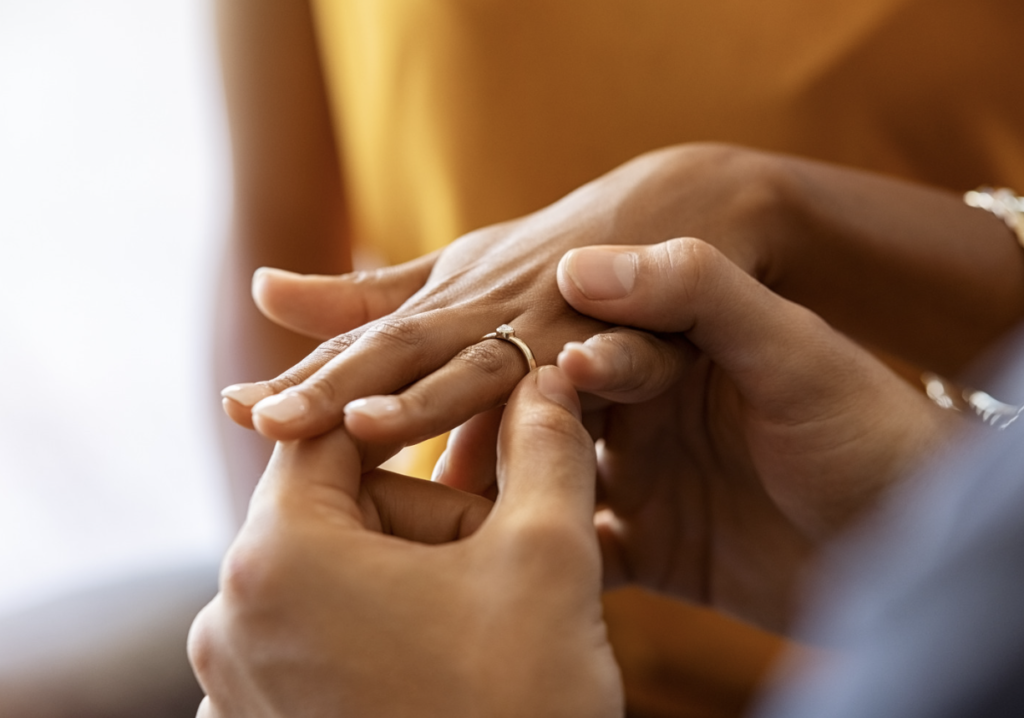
<point>990,410</point>
<point>1003,203</point>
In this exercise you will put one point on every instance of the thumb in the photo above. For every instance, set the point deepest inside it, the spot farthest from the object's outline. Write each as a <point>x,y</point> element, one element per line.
<point>546,462</point>
<point>323,307</point>
<point>324,471</point>
<point>685,285</point>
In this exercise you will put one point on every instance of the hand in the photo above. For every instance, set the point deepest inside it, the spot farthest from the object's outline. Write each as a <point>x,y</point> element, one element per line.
<point>742,436</point>
<point>331,603</point>
<point>883,260</point>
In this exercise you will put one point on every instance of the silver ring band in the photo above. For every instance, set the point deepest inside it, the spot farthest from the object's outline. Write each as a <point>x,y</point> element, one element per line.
<point>506,333</point>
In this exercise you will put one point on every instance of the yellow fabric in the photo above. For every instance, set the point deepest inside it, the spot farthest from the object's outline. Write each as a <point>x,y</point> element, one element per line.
<point>454,114</point>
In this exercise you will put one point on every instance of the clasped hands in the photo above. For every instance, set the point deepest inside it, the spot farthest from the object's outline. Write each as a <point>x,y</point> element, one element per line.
<point>737,431</point>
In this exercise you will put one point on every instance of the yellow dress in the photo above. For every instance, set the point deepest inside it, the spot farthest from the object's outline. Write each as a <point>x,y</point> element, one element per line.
<point>455,114</point>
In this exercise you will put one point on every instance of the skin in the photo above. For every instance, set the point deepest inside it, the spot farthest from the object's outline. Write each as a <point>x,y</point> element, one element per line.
<point>376,594</point>
<point>735,440</point>
<point>382,595</point>
<point>882,260</point>
<point>289,210</point>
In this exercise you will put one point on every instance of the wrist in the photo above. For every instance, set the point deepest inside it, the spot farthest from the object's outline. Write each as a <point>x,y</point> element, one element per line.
<point>741,201</point>
<point>899,266</point>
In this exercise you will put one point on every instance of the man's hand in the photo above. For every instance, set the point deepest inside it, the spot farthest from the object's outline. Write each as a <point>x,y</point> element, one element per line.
<point>735,440</point>
<point>332,604</point>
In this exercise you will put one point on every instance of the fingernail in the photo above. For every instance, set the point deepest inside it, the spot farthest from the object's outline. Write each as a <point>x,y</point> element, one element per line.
<point>439,466</point>
<point>552,383</point>
<point>283,407</point>
<point>265,272</point>
<point>602,273</point>
<point>595,364</point>
<point>262,274</point>
<point>375,407</point>
<point>578,348</point>
<point>246,394</point>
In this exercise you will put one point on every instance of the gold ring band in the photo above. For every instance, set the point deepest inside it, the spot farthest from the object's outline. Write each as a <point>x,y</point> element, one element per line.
<point>508,334</point>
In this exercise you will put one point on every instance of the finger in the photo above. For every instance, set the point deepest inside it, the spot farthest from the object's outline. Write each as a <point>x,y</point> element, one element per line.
<point>469,462</point>
<point>457,374</point>
<point>239,400</point>
<point>325,470</point>
<point>420,510</point>
<point>476,379</point>
<point>311,397</point>
<point>323,306</point>
<point>625,365</point>
<point>546,462</point>
<point>686,285</point>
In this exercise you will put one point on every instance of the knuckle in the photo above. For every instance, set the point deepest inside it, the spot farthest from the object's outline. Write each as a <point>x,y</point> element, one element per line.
<point>488,357</point>
<point>631,372</point>
<point>554,430</point>
<point>651,361</point>
<point>323,354</point>
<point>289,379</point>
<point>251,575</point>
<point>334,346</point>
<point>200,645</point>
<point>690,261</point>
<point>395,334</point>
<point>320,385</point>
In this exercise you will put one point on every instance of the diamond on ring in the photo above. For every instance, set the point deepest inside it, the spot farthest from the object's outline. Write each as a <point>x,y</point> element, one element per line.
<point>506,333</point>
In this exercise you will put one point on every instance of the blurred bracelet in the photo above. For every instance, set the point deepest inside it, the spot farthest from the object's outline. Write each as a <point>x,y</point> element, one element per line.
<point>1003,203</point>
<point>950,396</point>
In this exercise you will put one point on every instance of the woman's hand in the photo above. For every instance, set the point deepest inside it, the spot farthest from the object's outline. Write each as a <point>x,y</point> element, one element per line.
<point>332,602</point>
<point>909,269</point>
<point>741,436</point>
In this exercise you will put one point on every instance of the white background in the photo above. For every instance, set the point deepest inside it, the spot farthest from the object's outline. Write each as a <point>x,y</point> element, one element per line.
<point>113,207</point>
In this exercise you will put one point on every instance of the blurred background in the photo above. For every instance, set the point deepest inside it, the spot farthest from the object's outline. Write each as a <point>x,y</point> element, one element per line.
<point>114,194</point>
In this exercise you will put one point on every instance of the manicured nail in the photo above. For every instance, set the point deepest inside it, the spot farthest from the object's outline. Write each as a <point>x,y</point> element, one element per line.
<point>552,383</point>
<point>246,394</point>
<point>439,466</point>
<point>602,273</point>
<point>283,407</point>
<point>575,352</point>
<point>578,348</point>
<point>264,273</point>
<point>375,407</point>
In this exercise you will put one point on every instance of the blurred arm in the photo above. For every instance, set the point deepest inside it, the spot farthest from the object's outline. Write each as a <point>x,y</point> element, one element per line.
<point>289,209</point>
